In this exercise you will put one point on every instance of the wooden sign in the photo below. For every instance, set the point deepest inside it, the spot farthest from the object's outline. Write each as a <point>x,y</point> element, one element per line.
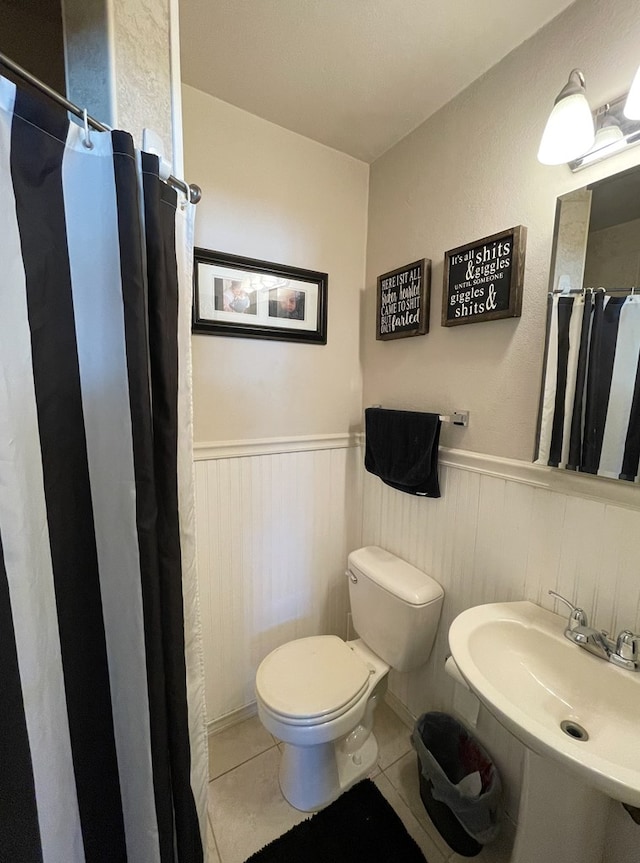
<point>404,297</point>
<point>483,280</point>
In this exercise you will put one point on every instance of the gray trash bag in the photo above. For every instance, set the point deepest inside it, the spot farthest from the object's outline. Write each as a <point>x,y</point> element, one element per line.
<point>461,774</point>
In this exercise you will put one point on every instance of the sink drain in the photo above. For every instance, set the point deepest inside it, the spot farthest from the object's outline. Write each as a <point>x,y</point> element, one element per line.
<point>574,730</point>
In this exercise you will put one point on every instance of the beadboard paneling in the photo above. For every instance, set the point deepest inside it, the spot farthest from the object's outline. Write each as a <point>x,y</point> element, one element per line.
<point>273,534</point>
<point>274,529</point>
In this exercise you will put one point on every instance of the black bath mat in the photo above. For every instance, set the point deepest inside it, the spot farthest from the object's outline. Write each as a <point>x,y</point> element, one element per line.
<point>359,827</point>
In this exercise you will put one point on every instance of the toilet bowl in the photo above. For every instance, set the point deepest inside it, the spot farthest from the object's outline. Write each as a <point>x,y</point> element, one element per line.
<point>318,694</point>
<point>328,744</point>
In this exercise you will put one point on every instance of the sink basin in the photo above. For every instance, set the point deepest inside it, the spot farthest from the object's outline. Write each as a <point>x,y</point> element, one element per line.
<point>516,659</point>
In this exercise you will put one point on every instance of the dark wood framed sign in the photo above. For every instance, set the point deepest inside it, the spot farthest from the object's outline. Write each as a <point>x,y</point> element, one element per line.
<point>483,280</point>
<point>236,296</point>
<point>404,298</point>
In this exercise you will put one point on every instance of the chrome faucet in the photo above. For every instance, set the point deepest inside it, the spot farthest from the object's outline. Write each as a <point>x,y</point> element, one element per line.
<point>623,652</point>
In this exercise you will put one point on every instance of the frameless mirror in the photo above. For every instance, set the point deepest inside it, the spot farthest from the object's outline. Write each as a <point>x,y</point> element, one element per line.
<point>590,403</point>
<point>596,241</point>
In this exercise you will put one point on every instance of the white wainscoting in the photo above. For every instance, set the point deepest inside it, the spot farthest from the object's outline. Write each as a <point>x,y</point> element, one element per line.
<point>275,521</point>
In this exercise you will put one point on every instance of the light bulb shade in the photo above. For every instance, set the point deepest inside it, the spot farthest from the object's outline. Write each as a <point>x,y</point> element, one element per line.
<point>570,131</point>
<point>632,105</point>
<point>609,134</point>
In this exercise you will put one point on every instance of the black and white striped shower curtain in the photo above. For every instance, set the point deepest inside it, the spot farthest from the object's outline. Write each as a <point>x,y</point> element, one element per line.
<point>102,747</point>
<point>590,409</point>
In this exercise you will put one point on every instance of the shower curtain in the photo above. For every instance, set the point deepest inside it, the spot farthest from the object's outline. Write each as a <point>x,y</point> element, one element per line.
<point>102,747</point>
<point>590,407</point>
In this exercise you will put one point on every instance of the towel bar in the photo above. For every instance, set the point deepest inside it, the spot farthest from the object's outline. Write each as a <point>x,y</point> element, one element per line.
<point>457,418</point>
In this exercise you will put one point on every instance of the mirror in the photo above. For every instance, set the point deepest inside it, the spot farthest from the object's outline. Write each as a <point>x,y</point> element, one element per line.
<point>597,235</point>
<point>590,404</point>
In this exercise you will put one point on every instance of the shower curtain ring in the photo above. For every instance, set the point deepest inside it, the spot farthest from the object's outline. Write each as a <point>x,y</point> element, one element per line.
<point>87,133</point>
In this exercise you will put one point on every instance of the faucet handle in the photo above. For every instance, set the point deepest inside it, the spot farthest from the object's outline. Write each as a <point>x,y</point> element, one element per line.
<point>627,645</point>
<point>577,617</point>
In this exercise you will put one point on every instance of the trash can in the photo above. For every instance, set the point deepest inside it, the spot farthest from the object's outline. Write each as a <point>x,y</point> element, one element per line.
<point>459,784</point>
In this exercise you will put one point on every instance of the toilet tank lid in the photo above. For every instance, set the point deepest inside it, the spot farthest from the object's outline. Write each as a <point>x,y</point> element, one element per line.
<point>395,575</point>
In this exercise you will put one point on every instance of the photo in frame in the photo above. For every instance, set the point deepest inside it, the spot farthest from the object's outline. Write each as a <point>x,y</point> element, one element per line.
<point>245,297</point>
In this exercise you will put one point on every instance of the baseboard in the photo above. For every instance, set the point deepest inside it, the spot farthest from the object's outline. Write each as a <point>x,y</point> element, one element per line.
<point>215,726</point>
<point>401,710</point>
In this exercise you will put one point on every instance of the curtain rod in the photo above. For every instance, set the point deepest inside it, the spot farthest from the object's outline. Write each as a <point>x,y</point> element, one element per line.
<point>560,292</point>
<point>193,192</point>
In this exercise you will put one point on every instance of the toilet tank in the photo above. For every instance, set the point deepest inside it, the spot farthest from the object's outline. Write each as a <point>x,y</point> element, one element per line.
<point>395,607</point>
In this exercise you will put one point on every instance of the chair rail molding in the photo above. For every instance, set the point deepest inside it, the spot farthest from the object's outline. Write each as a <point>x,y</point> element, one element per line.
<point>271,446</point>
<point>616,492</point>
<point>612,491</point>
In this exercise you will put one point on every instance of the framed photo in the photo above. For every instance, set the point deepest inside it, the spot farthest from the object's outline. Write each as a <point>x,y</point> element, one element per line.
<point>404,299</point>
<point>236,296</point>
<point>483,280</point>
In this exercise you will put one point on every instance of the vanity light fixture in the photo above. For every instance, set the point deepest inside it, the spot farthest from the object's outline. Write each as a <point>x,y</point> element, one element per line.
<point>632,105</point>
<point>609,131</point>
<point>570,131</point>
<point>570,135</point>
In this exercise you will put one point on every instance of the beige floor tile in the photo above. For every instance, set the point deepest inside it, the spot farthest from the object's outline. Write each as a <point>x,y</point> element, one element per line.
<point>392,735</point>
<point>237,744</point>
<point>375,772</point>
<point>414,829</point>
<point>247,809</point>
<point>403,775</point>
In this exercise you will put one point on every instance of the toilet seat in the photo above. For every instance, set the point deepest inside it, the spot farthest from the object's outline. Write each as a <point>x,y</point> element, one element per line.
<point>311,680</point>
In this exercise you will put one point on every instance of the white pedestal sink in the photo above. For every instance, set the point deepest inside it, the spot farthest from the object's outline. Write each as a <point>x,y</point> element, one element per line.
<point>561,817</point>
<point>515,657</point>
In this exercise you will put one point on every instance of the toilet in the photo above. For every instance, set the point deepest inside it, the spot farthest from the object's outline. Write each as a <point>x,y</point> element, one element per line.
<point>318,695</point>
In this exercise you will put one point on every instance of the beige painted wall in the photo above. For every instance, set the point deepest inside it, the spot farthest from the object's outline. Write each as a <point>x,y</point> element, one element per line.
<point>613,257</point>
<point>118,59</point>
<point>470,171</point>
<point>142,67</point>
<point>89,58</point>
<point>274,195</point>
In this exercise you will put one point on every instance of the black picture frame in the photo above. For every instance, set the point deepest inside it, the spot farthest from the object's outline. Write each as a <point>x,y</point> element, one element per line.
<point>483,280</point>
<point>253,299</point>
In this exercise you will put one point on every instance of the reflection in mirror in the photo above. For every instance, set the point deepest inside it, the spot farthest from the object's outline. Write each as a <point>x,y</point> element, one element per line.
<point>590,402</point>
<point>614,132</point>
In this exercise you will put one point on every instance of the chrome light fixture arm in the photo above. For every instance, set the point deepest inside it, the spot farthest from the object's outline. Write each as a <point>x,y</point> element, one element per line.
<point>580,140</point>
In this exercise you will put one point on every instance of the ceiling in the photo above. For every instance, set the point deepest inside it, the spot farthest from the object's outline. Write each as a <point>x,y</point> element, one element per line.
<point>357,75</point>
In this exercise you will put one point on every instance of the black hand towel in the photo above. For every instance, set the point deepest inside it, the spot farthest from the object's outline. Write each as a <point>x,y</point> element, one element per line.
<point>402,449</point>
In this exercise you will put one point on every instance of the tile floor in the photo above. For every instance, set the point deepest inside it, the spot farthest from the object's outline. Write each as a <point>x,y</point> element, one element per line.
<point>247,809</point>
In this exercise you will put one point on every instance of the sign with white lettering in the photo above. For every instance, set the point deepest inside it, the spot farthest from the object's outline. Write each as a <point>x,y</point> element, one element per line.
<point>403,301</point>
<point>483,280</point>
